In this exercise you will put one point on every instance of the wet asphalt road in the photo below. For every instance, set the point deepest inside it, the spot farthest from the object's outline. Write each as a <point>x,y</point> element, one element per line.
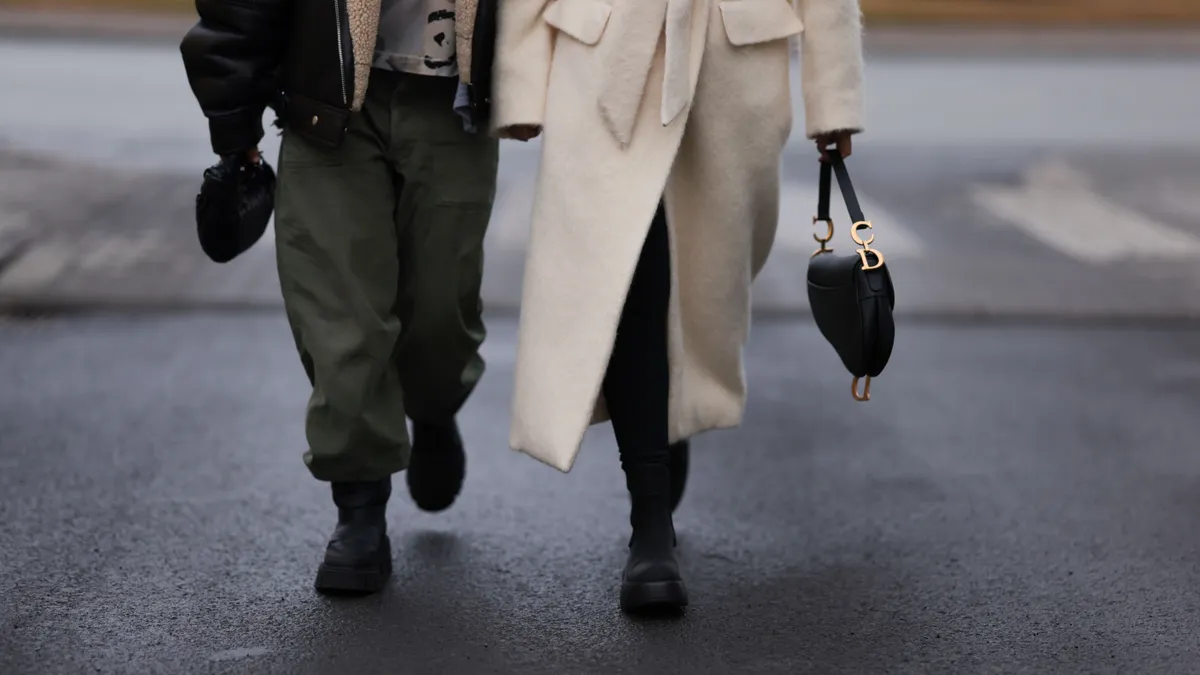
<point>1017,498</point>
<point>1014,500</point>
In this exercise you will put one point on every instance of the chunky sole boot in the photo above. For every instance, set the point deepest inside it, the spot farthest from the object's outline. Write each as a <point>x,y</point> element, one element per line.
<point>651,580</point>
<point>650,596</point>
<point>679,460</point>
<point>370,576</point>
<point>437,467</point>
<point>358,558</point>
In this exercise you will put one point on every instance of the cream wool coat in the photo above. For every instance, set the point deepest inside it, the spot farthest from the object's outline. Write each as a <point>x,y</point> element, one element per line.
<point>700,116</point>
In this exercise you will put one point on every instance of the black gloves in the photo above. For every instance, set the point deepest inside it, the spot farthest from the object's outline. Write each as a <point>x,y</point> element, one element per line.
<point>234,206</point>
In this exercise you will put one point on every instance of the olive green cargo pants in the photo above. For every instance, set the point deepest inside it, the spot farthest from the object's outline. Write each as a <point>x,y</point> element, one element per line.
<point>380,253</point>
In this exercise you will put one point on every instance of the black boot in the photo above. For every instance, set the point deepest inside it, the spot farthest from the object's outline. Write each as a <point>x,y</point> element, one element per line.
<point>437,466</point>
<point>358,558</point>
<point>651,579</point>
<point>679,460</point>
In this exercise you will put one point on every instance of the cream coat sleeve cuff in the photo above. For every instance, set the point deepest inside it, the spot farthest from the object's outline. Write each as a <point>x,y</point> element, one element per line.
<point>521,72</point>
<point>831,65</point>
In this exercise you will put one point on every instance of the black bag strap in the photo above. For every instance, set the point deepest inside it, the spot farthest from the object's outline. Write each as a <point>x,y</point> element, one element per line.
<point>836,165</point>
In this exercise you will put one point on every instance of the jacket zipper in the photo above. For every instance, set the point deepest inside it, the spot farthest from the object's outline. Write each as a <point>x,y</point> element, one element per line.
<point>337,13</point>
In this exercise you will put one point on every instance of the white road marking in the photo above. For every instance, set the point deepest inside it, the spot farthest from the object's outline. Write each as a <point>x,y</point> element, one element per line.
<point>114,254</point>
<point>12,223</point>
<point>37,268</point>
<point>1057,206</point>
<point>798,204</point>
<point>1179,197</point>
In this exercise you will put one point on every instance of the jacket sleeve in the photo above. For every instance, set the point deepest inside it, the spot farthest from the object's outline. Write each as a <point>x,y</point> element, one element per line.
<point>831,65</point>
<point>232,56</point>
<point>521,72</point>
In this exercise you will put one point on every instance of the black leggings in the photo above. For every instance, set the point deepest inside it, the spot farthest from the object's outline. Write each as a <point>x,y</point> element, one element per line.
<point>637,382</point>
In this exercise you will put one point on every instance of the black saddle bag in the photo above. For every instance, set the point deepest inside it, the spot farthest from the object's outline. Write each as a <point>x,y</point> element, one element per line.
<point>234,206</point>
<point>851,296</point>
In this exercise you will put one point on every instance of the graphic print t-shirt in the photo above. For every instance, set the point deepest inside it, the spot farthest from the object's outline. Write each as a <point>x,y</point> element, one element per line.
<point>417,36</point>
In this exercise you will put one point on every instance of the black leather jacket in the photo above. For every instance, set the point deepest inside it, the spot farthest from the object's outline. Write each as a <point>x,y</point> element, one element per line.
<point>291,55</point>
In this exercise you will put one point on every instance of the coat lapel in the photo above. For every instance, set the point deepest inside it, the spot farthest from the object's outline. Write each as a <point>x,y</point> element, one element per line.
<point>464,33</point>
<point>634,32</point>
<point>363,16</point>
<point>677,82</point>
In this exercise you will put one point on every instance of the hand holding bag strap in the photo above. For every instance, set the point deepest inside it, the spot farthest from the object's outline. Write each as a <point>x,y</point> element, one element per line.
<point>837,166</point>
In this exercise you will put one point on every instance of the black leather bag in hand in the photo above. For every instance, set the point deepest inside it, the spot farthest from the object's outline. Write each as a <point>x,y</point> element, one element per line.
<point>851,296</point>
<point>234,206</point>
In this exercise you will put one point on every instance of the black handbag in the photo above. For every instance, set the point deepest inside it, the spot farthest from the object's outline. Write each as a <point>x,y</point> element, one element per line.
<point>234,206</point>
<point>851,296</point>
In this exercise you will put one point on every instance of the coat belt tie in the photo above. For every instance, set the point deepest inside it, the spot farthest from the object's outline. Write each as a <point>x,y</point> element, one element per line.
<point>635,33</point>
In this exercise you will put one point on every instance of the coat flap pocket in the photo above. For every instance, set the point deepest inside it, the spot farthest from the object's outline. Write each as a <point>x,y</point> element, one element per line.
<point>751,21</point>
<point>583,20</point>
